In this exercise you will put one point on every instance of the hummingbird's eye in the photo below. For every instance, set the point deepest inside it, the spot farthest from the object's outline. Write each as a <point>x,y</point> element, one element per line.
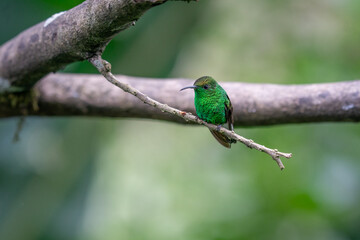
<point>206,86</point>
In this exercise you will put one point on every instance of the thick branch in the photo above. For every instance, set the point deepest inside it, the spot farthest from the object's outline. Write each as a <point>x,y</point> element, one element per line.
<point>66,37</point>
<point>254,104</point>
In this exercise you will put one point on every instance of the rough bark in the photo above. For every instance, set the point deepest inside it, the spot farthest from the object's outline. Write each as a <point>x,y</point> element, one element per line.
<point>254,104</point>
<point>66,37</point>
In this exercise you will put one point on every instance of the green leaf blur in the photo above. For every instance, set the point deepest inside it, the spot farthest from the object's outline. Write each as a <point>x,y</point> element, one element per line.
<point>87,178</point>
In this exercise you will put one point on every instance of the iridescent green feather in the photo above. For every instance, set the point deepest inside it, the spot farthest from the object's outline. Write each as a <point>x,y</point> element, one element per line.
<point>213,106</point>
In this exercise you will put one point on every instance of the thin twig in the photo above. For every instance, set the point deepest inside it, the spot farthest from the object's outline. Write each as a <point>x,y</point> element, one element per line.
<point>104,68</point>
<point>19,127</point>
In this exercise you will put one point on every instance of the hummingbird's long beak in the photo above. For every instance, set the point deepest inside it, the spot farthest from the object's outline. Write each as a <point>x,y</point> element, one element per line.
<point>188,87</point>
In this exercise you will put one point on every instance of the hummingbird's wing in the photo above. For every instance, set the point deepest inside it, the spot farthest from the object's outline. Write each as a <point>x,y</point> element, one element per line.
<point>222,139</point>
<point>229,113</point>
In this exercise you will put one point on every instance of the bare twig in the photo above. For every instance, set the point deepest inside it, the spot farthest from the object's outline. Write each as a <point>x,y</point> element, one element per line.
<point>19,127</point>
<point>104,68</point>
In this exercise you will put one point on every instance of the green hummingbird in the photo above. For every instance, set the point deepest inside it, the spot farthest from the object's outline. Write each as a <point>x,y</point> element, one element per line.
<point>213,105</point>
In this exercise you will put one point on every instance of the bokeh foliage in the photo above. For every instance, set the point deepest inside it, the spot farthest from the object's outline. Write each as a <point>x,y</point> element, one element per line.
<point>86,178</point>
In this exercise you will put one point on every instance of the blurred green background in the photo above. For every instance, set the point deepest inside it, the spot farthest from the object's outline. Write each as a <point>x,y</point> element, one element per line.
<point>93,178</point>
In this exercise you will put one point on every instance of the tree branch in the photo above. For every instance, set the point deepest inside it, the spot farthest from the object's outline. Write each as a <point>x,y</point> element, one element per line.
<point>66,37</point>
<point>105,69</point>
<point>254,104</point>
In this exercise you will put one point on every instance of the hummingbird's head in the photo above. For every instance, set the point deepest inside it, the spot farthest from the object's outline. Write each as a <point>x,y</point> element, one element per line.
<point>203,84</point>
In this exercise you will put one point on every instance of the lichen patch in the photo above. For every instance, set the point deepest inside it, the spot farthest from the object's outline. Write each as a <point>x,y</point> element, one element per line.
<point>52,18</point>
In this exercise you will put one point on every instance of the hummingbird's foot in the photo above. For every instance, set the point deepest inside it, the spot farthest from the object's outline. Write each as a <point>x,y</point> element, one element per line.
<point>218,127</point>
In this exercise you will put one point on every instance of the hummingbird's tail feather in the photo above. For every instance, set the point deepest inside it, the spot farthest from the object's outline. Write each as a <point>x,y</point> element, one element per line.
<point>222,139</point>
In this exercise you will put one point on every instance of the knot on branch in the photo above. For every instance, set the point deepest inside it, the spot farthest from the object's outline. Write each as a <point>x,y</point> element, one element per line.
<point>102,65</point>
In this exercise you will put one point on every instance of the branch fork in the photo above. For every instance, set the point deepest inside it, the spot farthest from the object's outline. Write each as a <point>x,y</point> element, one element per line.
<point>104,68</point>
